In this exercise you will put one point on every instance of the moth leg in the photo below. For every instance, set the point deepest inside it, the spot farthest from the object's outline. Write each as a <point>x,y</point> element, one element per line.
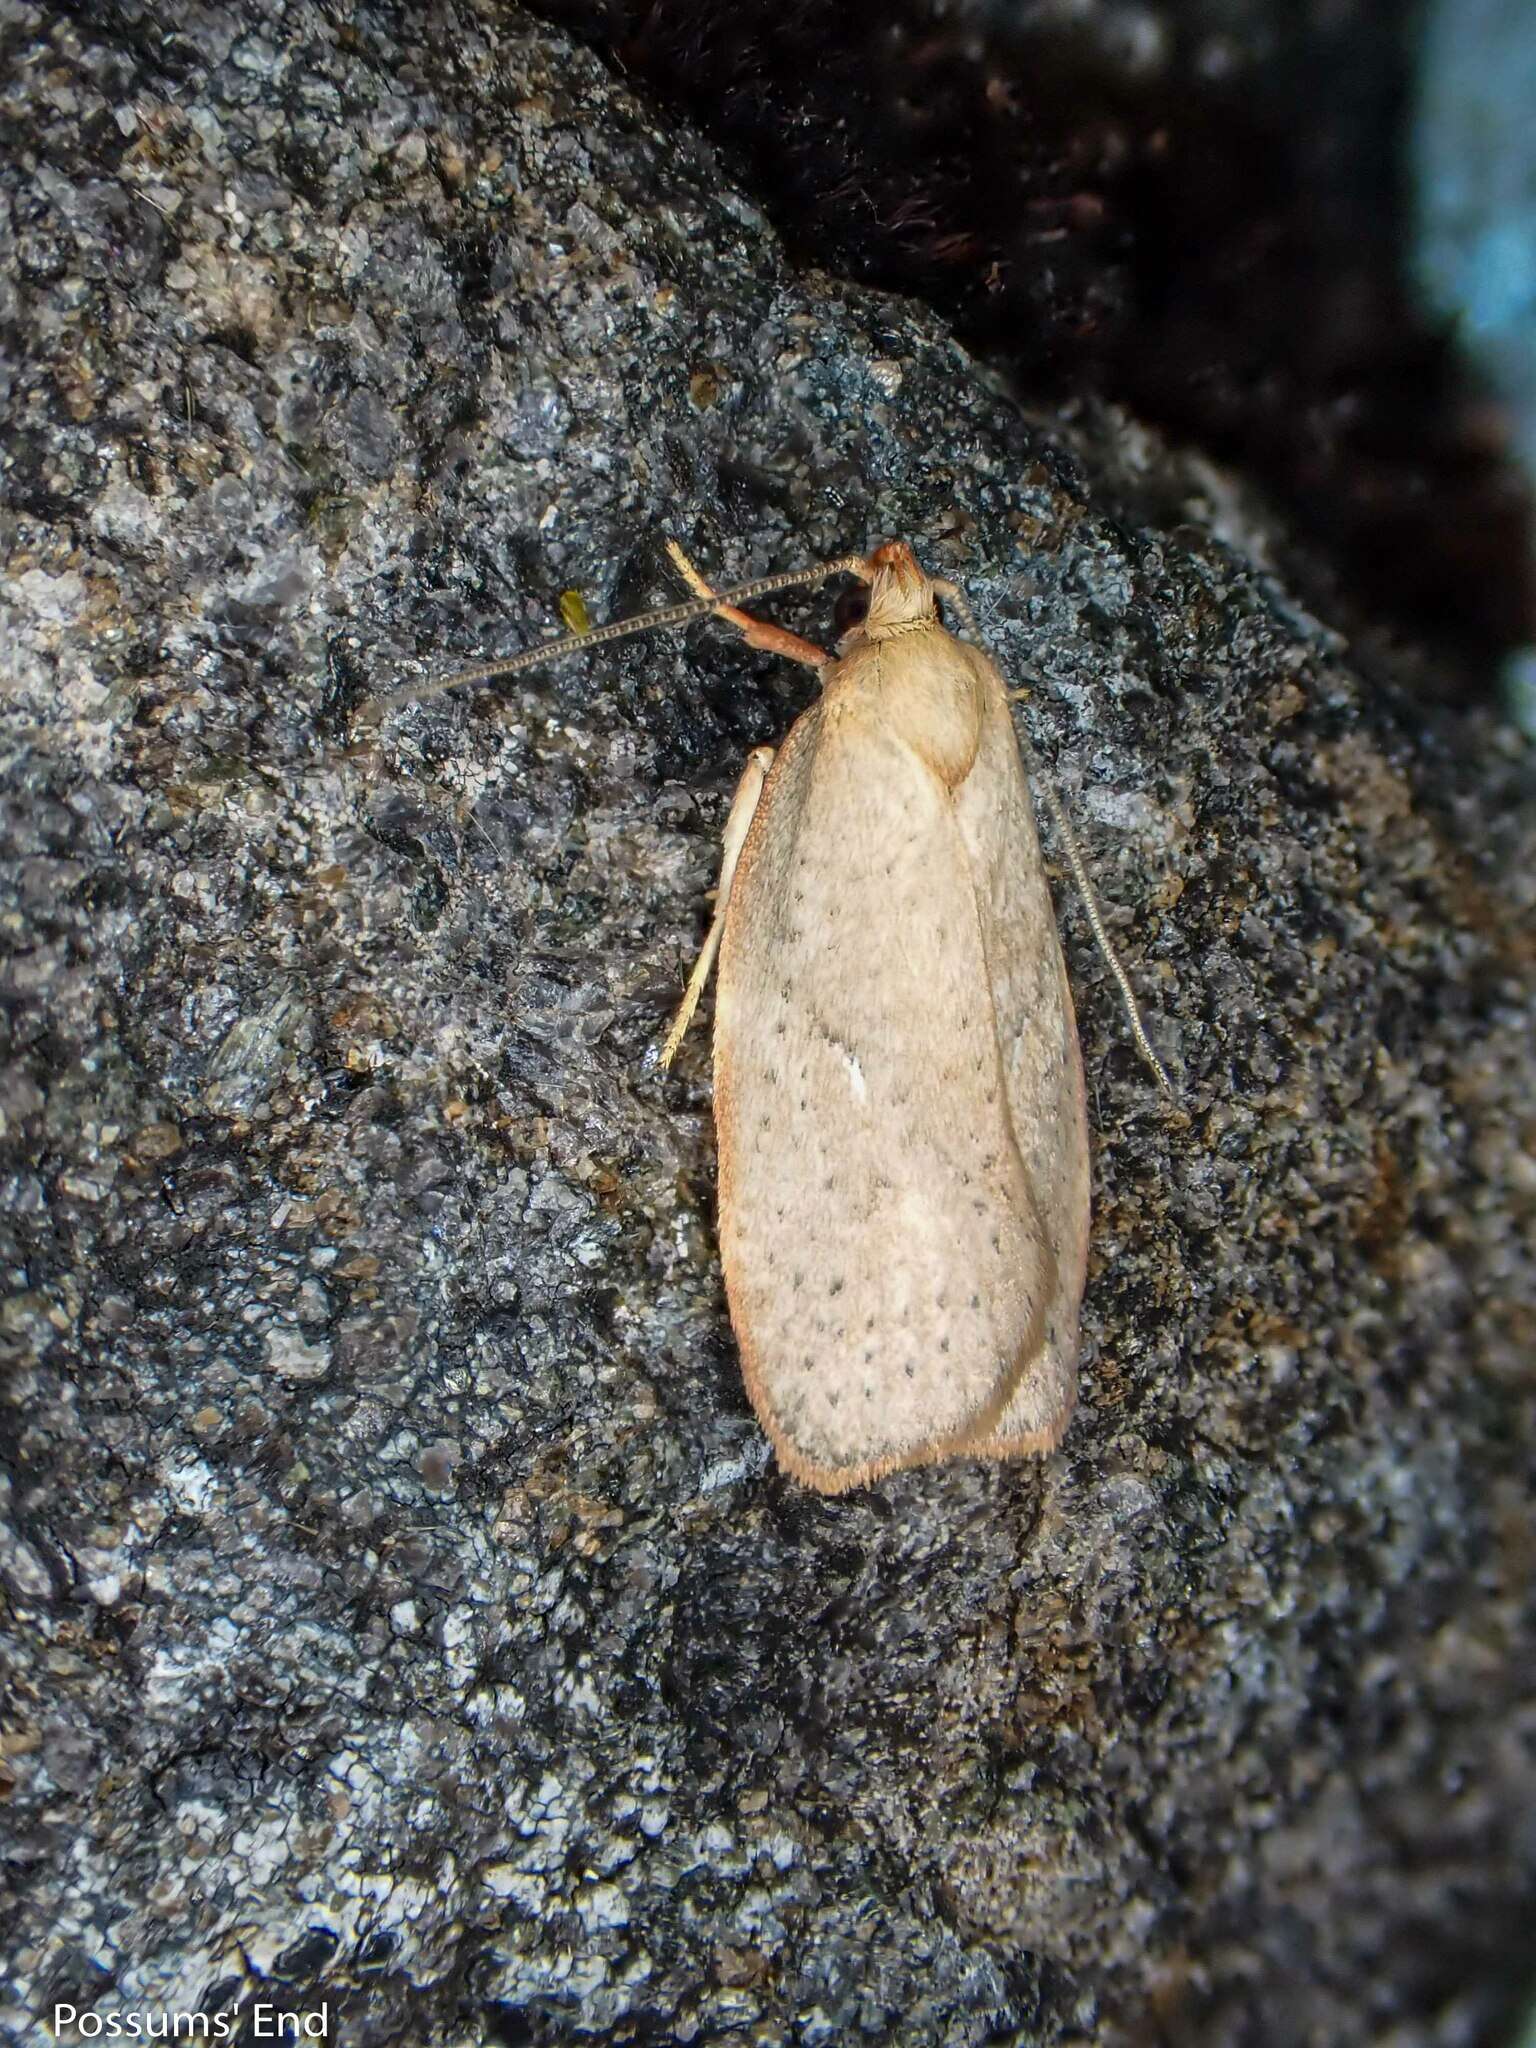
<point>756,632</point>
<point>743,807</point>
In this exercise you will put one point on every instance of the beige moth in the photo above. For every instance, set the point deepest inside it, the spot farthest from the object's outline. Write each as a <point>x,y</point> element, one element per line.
<point>898,1090</point>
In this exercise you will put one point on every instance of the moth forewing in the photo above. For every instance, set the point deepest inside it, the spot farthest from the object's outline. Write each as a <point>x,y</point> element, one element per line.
<point>898,1091</point>
<point>1042,1064</point>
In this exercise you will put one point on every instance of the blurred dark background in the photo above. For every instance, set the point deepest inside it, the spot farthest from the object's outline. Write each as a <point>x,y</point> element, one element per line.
<point>1202,209</point>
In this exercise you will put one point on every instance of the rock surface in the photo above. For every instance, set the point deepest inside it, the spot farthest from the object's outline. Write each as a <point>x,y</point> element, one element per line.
<point>1192,208</point>
<point>403,1611</point>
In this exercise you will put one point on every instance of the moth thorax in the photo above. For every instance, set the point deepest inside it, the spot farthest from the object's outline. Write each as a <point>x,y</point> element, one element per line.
<point>932,699</point>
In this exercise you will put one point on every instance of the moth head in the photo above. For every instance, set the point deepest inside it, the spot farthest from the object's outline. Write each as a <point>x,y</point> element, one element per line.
<point>899,596</point>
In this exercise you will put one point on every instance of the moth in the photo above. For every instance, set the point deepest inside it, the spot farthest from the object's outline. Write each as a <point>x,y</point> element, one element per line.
<point>898,1088</point>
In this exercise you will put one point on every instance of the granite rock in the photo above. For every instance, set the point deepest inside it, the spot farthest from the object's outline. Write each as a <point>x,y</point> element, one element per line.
<point>1195,209</point>
<point>403,1612</point>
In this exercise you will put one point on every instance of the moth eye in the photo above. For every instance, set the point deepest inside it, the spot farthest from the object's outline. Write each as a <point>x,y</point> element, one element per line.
<point>851,610</point>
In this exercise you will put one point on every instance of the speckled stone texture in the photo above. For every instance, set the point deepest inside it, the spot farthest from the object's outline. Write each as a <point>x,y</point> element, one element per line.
<point>1191,208</point>
<point>403,1612</point>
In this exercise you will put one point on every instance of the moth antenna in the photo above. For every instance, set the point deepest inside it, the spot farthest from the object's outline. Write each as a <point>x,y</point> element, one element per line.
<point>546,650</point>
<point>1106,945</point>
<point>619,629</point>
<point>765,586</point>
<point>1075,861</point>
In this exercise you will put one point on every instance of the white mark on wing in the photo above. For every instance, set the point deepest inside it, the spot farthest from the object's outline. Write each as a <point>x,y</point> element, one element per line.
<point>856,1077</point>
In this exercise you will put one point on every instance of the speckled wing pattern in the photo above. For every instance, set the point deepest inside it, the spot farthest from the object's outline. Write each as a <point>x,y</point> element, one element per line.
<point>898,1095</point>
